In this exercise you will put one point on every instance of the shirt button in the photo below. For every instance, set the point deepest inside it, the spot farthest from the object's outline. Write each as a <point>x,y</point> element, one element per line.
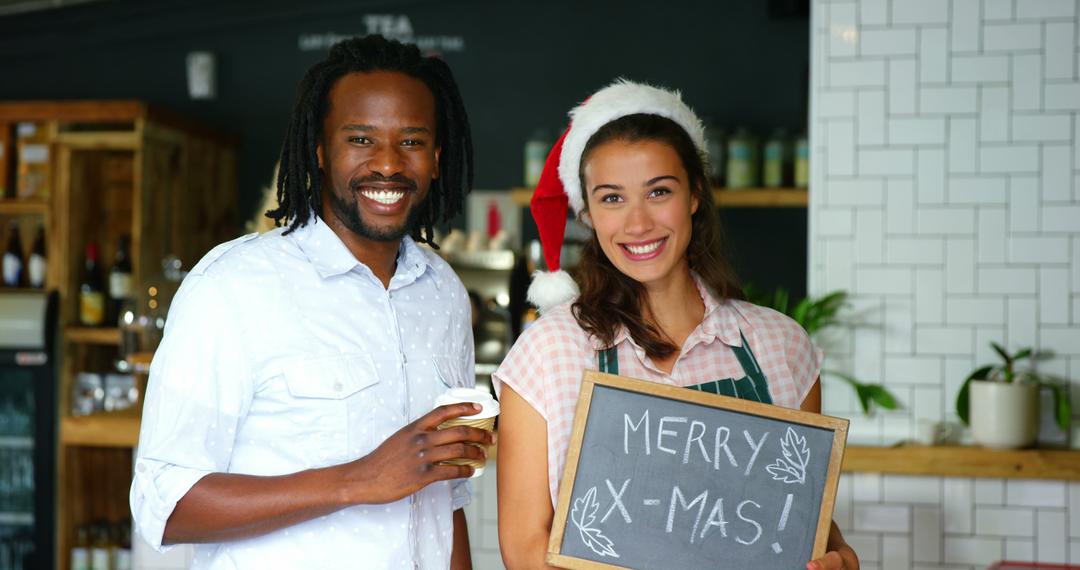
<point>338,386</point>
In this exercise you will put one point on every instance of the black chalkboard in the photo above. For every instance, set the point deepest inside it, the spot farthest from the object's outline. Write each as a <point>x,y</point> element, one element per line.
<point>665,477</point>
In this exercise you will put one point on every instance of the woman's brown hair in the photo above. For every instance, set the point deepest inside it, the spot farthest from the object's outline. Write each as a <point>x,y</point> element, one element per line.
<point>610,299</point>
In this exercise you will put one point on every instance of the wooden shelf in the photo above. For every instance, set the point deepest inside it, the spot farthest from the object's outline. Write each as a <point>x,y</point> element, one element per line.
<point>140,362</point>
<point>762,198</point>
<point>16,207</point>
<point>962,461</point>
<point>742,198</point>
<point>93,335</point>
<point>100,430</point>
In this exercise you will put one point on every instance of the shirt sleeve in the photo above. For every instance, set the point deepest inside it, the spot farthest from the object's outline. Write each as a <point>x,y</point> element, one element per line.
<point>803,359</point>
<point>199,390</point>
<point>523,368</point>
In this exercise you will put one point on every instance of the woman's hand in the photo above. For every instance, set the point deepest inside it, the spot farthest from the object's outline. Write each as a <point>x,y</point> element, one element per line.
<point>840,556</point>
<point>835,561</point>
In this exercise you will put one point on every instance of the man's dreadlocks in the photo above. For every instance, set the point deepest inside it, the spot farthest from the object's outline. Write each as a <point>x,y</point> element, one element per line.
<point>299,178</point>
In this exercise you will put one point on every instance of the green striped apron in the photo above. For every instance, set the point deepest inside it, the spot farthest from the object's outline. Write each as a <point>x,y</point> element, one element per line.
<point>754,386</point>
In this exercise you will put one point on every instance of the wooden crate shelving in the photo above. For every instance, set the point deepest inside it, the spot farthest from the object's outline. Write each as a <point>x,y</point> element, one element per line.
<point>115,168</point>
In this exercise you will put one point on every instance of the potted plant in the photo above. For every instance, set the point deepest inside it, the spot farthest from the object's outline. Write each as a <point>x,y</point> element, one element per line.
<point>814,315</point>
<point>1001,403</point>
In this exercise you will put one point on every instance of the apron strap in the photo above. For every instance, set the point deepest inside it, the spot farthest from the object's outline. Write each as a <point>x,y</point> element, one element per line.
<point>754,386</point>
<point>755,379</point>
<point>607,360</point>
<point>746,357</point>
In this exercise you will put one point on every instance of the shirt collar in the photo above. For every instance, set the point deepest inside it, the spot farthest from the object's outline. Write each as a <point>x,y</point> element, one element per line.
<point>330,257</point>
<point>720,322</point>
<point>721,319</point>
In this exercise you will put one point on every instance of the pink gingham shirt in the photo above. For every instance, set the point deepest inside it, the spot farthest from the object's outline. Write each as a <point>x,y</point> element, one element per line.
<point>545,365</point>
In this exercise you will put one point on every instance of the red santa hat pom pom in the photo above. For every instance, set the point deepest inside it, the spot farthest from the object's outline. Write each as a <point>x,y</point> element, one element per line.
<point>550,289</point>
<point>549,206</point>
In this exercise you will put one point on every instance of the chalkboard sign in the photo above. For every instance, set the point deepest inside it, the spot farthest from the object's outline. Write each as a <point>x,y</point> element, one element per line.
<point>665,477</point>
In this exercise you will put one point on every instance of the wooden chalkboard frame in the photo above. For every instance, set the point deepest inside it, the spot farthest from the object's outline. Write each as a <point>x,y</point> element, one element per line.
<point>592,378</point>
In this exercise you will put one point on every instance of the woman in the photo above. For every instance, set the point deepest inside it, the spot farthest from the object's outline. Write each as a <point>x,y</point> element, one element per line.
<point>656,301</point>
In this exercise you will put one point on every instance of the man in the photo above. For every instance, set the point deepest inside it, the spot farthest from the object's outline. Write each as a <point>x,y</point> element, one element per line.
<point>288,418</point>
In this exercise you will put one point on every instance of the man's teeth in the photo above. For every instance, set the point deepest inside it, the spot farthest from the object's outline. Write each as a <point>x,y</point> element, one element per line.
<point>642,249</point>
<point>384,197</point>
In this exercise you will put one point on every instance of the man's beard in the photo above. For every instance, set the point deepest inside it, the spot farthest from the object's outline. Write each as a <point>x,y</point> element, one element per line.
<point>347,210</point>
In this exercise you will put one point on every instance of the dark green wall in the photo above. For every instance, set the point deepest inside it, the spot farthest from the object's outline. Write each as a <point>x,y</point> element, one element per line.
<point>524,65</point>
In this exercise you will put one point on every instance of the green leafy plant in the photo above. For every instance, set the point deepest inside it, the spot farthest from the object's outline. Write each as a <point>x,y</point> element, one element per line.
<point>813,315</point>
<point>1006,371</point>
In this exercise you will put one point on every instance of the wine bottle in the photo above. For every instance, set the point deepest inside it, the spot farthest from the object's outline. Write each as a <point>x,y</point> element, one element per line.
<point>36,265</point>
<point>91,294</point>
<point>119,279</point>
<point>14,268</point>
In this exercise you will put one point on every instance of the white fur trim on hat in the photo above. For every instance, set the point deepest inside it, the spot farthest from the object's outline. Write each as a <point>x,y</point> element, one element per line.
<point>619,99</point>
<point>549,289</point>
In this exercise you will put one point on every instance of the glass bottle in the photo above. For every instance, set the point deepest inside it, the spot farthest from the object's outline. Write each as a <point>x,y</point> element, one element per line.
<point>91,293</point>
<point>802,162</point>
<point>80,552</point>
<point>122,559</point>
<point>775,163</point>
<point>100,547</point>
<point>119,278</point>
<point>14,268</point>
<point>36,266</point>
<point>742,160</point>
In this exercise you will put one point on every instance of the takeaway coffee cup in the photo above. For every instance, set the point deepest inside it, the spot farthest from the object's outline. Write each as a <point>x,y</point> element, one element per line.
<point>483,420</point>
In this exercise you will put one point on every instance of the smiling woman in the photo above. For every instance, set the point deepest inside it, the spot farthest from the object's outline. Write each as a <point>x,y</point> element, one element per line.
<point>657,302</point>
<point>646,193</point>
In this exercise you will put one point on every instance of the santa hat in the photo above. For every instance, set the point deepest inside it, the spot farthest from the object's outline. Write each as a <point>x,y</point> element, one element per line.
<point>560,187</point>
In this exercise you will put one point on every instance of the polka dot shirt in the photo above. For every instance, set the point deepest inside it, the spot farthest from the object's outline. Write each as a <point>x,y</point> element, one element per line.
<point>284,353</point>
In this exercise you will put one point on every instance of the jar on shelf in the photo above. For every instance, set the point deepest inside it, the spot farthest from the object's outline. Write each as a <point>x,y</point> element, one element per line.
<point>774,165</point>
<point>802,162</point>
<point>742,160</point>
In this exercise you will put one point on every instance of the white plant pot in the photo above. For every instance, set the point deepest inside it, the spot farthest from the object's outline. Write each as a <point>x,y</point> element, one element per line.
<point>1004,415</point>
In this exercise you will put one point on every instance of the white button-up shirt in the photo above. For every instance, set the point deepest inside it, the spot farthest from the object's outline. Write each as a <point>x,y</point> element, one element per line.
<point>283,353</point>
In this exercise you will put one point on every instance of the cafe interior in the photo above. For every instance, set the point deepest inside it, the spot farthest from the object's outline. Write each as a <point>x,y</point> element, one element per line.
<point>901,177</point>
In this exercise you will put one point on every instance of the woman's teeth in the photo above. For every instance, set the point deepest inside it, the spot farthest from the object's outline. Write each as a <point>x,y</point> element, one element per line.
<point>384,197</point>
<point>643,249</point>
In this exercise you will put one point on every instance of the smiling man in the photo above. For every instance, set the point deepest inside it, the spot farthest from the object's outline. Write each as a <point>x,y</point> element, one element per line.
<point>288,418</point>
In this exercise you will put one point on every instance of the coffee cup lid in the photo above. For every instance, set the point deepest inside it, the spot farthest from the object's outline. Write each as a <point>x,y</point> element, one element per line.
<point>473,395</point>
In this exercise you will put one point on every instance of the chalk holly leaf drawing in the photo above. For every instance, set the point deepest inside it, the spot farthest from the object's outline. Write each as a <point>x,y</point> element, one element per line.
<point>583,517</point>
<point>791,468</point>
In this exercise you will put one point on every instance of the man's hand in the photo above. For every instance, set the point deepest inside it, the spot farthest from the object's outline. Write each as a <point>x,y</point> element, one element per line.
<point>412,458</point>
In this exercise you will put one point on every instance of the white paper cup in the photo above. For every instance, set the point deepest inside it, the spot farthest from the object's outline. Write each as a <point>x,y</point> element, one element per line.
<point>485,419</point>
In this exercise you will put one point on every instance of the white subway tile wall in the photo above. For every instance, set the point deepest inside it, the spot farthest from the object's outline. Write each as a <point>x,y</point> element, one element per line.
<point>945,196</point>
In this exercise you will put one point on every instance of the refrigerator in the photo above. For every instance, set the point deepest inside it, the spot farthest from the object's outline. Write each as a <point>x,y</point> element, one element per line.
<point>28,426</point>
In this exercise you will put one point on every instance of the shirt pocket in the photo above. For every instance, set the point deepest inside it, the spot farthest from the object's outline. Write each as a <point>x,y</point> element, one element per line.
<point>331,377</point>
<point>451,373</point>
<point>319,396</point>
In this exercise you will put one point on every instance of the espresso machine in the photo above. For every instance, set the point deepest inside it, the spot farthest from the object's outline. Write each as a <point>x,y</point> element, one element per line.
<point>486,274</point>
